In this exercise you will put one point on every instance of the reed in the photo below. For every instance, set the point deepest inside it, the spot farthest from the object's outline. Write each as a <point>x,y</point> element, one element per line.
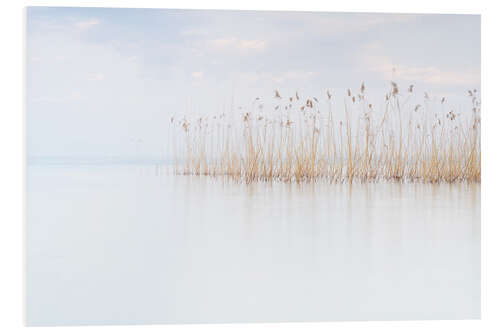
<point>299,140</point>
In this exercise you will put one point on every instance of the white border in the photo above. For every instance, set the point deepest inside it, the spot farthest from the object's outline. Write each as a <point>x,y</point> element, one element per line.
<point>12,162</point>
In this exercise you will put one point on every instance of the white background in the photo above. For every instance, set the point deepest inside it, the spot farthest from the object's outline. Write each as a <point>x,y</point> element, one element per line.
<point>12,161</point>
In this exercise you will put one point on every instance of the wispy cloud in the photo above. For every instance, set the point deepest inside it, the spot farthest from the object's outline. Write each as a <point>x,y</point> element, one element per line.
<point>73,96</point>
<point>338,24</point>
<point>427,74</point>
<point>96,77</point>
<point>278,77</point>
<point>389,69</point>
<point>197,75</point>
<point>194,32</point>
<point>87,24</point>
<point>236,44</point>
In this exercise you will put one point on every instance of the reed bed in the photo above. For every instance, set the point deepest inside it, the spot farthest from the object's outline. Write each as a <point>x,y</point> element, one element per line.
<point>336,140</point>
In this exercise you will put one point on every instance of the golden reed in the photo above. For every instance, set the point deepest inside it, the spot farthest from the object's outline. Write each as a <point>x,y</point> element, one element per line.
<point>307,140</point>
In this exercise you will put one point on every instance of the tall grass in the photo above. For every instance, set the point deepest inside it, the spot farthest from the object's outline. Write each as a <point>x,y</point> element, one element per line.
<point>346,140</point>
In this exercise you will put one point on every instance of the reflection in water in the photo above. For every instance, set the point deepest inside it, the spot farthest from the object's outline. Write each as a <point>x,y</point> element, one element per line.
<point>130,245</point>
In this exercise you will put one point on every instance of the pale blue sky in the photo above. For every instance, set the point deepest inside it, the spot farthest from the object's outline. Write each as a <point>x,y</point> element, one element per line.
<point>104,82</point>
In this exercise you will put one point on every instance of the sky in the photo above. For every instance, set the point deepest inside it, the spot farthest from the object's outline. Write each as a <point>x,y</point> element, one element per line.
<point>105,82</point>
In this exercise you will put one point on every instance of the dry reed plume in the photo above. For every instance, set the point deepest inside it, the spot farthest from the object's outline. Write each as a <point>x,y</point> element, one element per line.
<point>300,139</point>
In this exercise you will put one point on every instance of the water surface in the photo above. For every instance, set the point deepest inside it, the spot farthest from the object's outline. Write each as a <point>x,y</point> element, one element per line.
<point>131,245</point>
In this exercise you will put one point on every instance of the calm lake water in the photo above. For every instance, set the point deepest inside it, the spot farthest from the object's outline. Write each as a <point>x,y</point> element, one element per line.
<point>131,245</point>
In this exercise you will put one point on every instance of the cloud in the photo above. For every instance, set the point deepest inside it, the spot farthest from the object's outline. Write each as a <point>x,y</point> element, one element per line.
<point>194,32</point>
<point>278,77</point>
<point>86,24</point>
<point>72,96</point>
<point>428,74</point>
<point>328,24</point>
<point>293,75</point>
<point>96,77</point>
<point>390,69</point>
<point>235,44</point>
<point>197,75</point>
